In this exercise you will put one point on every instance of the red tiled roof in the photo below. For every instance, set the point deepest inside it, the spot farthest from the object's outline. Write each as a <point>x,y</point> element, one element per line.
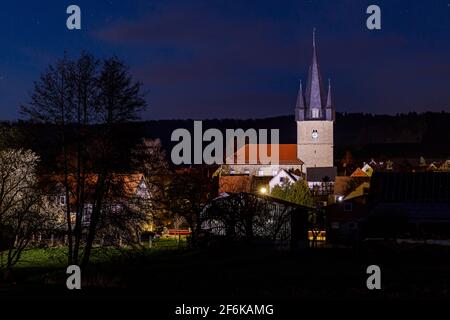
<point>235,184</point>
<point>287,154</point>
<point>359,173</point>
<point>128,183</point>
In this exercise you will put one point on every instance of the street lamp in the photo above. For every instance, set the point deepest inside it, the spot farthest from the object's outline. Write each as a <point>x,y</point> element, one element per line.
<point>263,190</point>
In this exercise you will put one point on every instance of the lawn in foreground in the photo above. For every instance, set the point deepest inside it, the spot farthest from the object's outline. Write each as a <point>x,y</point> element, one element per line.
<point>255,273</point>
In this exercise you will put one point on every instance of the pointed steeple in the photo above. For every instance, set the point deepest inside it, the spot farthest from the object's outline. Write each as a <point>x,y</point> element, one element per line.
<point>329,109</point>
<point>329,101</point>
<point>314,89</point>
<point>300,105</point>
<point>300,98</point>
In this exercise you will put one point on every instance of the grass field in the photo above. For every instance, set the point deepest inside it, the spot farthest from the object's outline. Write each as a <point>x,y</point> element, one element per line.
<point>57,257</point>
<point>242,273</point>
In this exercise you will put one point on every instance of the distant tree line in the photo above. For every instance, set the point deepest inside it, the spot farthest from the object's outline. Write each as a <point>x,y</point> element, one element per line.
<point>365,135</point>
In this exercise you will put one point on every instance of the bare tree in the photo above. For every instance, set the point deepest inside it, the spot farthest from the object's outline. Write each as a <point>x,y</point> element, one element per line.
<point>22,208</point>
<point>187,194</point>
<point>120,100</point>
<point>51,103</point>
<point>149,157</point>
<point>86,99</point>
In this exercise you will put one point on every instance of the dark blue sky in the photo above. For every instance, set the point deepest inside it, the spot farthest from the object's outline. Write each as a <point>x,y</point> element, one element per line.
<point>239,59</point>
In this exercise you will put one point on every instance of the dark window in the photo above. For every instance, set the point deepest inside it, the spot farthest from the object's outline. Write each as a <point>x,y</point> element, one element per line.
<point>348,207</point>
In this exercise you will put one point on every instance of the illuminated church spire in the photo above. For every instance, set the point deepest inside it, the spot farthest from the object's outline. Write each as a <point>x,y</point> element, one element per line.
<point>314,103</point>
<point>314,114</point>
<point>314,90</point>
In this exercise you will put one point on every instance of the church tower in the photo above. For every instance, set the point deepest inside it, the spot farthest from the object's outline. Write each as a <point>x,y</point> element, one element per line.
<point>315,114</point>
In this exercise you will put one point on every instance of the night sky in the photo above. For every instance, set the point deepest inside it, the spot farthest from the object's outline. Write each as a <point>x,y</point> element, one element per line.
<point>239,59</point>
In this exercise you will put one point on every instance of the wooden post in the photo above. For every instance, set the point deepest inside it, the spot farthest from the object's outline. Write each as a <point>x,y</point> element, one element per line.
<point>52,240</point>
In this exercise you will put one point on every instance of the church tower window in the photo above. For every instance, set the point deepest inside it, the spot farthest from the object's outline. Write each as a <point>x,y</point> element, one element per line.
<point>315,113</point>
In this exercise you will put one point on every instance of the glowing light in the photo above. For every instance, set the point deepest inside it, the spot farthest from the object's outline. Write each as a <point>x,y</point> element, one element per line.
<point>263,190</point>
<point>319,235</point>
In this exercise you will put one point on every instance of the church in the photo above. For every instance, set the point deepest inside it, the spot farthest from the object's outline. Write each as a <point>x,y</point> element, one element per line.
<point>315,115</point>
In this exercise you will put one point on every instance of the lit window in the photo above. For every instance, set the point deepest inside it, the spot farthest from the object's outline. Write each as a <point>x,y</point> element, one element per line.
<point>315,113</point>
<point>62,200</point>
<point>260,172</point>
<point>231,171</point>
<point>317,235</point>
<point>246,171</point>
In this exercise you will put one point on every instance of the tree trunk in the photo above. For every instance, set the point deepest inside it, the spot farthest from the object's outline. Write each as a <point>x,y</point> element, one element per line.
<point>95,216</point>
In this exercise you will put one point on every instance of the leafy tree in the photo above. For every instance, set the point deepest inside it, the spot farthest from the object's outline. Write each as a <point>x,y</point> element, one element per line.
<point>297,192</point>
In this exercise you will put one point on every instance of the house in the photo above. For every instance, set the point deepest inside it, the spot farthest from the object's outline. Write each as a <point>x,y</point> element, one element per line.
<point>367,169</point>
<point>345,185</point>
<point>247,160</point>
<point>344,219</point>
<point>243,183</point>
<point>282,177</point>
<point>125,190</point>
<point>359,173</point>
<point>361,190</point>
<point>321,180</point>
<point>350,207</point>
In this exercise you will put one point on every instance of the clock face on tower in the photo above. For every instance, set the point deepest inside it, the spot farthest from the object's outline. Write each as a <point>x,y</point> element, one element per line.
<point>315,134</point>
